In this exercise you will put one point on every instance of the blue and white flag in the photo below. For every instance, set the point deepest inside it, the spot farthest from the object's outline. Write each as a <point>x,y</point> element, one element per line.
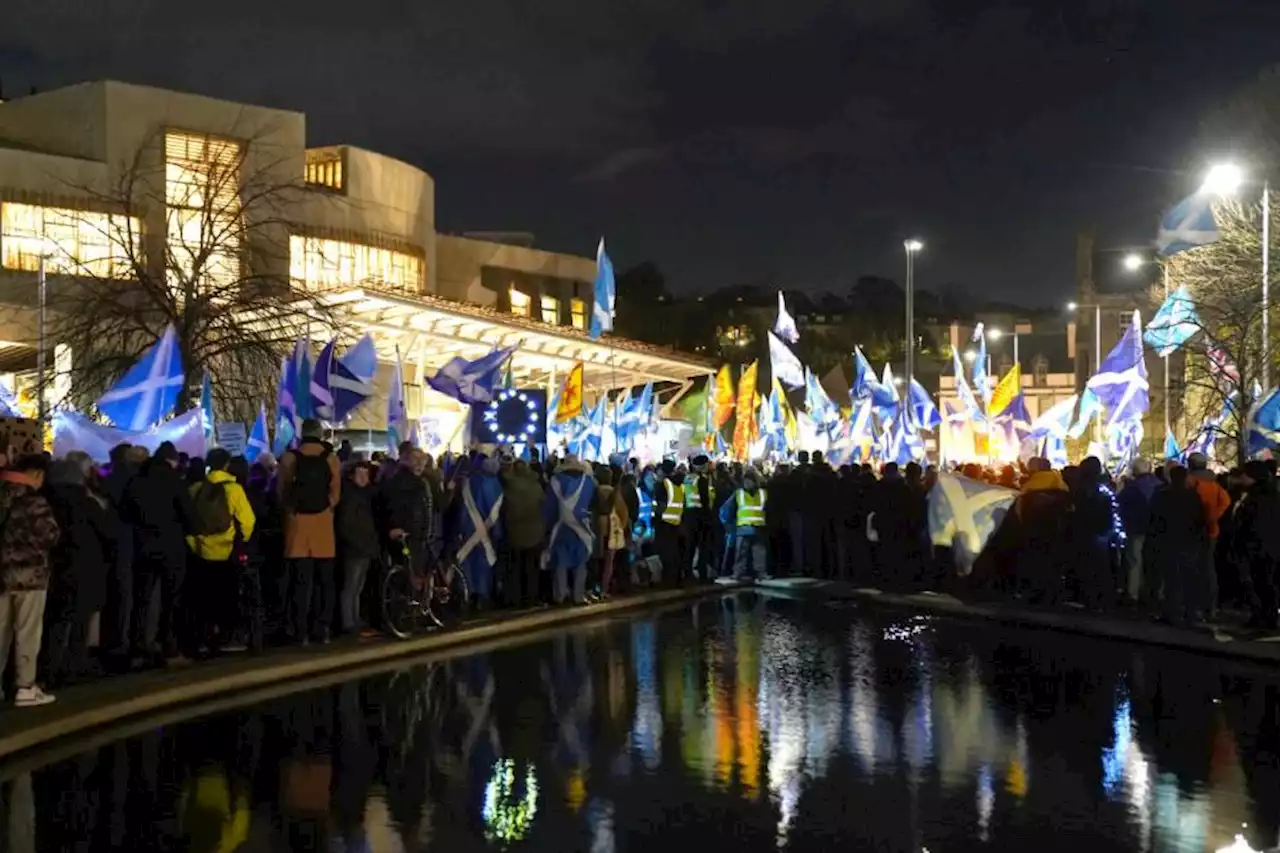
<point>785,326</point>
<point>1055,450</point>
<point>397,415</point>
<point>1174,323</point>
<point>606,295</point>
<point>981,381</point>
<point>148,391</point>
<point>1206,437</point>
<point>258,443</point>
<point>589,434</point>
<point>861,424</point>
<point>206,408</point>
<point>362,359</point>
<point>1189,224</point>
<point>472,381</point>
<point>301,379</point>
<point>963,514</point>
<point>1121,381</point>
<point>821,408</point>
<point>286,411</point>
<point>321,396</point>
<point>1264,424</point>
<point>923,410</point>
<point>350,390</point>
<point>1171,448</point>
<point>887,382</point>
<point>1056,421</point>
<point>865,384</point>
<point>8,403</point>
<point>963,392</point>
<point>783,364</point>
<point>1090,406</point>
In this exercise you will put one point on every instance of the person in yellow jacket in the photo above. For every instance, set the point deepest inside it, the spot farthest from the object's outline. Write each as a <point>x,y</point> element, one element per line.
<point>222,525</point>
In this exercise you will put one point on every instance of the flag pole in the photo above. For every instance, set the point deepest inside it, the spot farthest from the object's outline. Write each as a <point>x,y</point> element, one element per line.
<point>1266,286</point>
<point>1167,419</point>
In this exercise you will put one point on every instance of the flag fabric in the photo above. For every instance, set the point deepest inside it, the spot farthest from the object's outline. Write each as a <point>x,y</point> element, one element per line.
<point>397,415</point>
<point>606,295</point>
<point>1206,437</point>
<point>349,389</point>
<point>724,396</point>
<point>1171,448</point>
<point>964,513</point>
<point>1008,388</point>
<point>1090,406</point>
<point>1264,424</point>
<point>824,412</point>
<point>593,431</point>
<point>8,403</point>
<point>963,391</point>
<point>1174,323</point>
<point>744,430</point>
<point>861,424</point>
<point>1121,381</point>
<point>770,422</point>
<point>1189,224</point>
<point>570,396</point>
<point>890,387</point>
<point>923,410</point>
<point>981,382</point>
<point>1056,421</point>
<point>321,396</point>
<point>785,326</point>
<point>472,382</point>
<point>790,426</point>
<point>1221,367</point>
<point>865,384</point>
<point>362,359</point>
<point>1015,419</point>
<point>302,379</point>
<point>259,442</point>
<point>206,408</point>
<point>1055,450</point>
<point>286,411</point>
<point>783,363</point>
<point>148,391</point>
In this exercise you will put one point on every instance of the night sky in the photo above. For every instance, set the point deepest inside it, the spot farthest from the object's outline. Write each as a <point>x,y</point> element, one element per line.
<point>793,142</point>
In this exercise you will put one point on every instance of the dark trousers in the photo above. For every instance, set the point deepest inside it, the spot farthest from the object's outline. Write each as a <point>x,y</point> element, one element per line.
<point>1262,584</point>
<point>670,547</point>
<point>117,616</point>
<point>214,587</point>
<point>520,585</point>
<point>802,560</point>
<point>699,551</point>
<point>66,641</point>
<point>173,633</point>
<point>311,595</point>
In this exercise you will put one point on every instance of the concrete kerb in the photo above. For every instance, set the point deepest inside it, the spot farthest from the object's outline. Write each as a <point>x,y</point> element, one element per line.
<point>24,730</point>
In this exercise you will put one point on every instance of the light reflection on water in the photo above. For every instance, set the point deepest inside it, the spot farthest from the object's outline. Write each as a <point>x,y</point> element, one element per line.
<point>761,721</point>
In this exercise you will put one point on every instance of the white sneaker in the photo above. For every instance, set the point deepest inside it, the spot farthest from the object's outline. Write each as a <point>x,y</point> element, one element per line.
<point>30,697</point>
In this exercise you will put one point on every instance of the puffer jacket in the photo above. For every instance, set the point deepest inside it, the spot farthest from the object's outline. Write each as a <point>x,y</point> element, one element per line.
<point>30,531</point>
<point>522,508</point>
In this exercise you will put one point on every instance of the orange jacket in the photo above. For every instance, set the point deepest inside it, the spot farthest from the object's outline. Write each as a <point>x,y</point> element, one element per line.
<point>1216,501</point>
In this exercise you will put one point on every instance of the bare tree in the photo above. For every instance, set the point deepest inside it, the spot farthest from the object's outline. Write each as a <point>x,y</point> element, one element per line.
<point>193,232</point>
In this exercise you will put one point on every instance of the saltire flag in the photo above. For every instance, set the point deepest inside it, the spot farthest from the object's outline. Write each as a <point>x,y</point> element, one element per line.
<point>1221,366</point>
<point>1171,448</point>
<point>1015,418</point>
<point>286,411</point>
<point>1206,437</point>
<point>258,443</point>
<point>861,425</point>
<point>1264,424</point>
<point>981,382</point>
<point>744,430</point>
<point>397,415</point>
<point>724,396</point>
<point>8,403</point>
<point>569,400</point>
<point>785,326</point>
<point>1055,450</point>
<point>1090,406</point>
<point>1056,421</point>
<point>783,363</point>
<point>824,412</point>
<point>206,408</point>
<point>865,384</point>
<point>770,422</point>
<point>923,410</point>
<point>349,389</point>
<point>1008,388</point>
<point>148,391</point>
<point>964,513</point>
<point>321,397</point>
<point>593,432</point>
<point>301,374</point>
<point>886,382</point>
<point>472,382</point>
<point>962,389</point>
<point>1121,381</point>
<point>606,295</point>
<point>362,359</point>
<point>647,407</point>
<point>1174,324</point>
<point>1123,441</point>
<point>1189,224</point>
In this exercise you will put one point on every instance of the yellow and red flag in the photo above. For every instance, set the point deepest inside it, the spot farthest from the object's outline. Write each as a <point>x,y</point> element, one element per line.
<point>723,396</point>
<point>744,431</point>
<point>1005,392</point>
<point>570,396</point>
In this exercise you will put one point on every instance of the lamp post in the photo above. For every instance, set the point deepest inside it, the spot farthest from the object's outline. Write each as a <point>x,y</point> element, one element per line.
<point>1097,347</point>
<point>997,334</point>
<point>1132,263</point>
<point>911,246</point>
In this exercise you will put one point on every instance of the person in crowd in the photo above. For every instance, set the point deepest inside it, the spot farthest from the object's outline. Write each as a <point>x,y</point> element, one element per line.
<point>406,507</point>
<point>1095,535</point>
<point>1135,514</point>
<point>27,536</point>
<point>613,525</point>
<point>358,542</point>
<point>78,576</point>
<point>1257,536</point>
<point>220,530</point>
<point>1176,538</point>
<point>799,502</point>
<point>697,519</point>
<point>821,495</point>
<point>1216,502</point>
<point>125,461</point>
<point>309,485</point>
<point>894,523</point>
<point>668,516</point>
<point>480,531</point>
<point>266,546</point>
<point>526,533</point>
<point>158,506</point>
<point>1031,551</point>
<point>745,513</point>
<point>567,514</point>
<point>250,598</point>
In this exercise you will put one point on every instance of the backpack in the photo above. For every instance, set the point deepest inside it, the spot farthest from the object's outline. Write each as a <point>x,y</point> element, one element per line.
<point>213,509</point>
<point>310,488</point>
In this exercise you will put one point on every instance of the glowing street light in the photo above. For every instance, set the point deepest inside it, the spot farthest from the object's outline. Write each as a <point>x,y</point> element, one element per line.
<point>970,355</point>
<point>1133,262</point>
<point>994,334</point>
<point>1223,179</point>
<point>911,245</point>
<point>1071,306</point>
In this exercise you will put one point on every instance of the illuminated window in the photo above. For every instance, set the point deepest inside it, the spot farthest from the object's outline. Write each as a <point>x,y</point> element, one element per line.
<point>319,264</point>
<point>324,169</point>
<point>202,188</point>
<point>578,313</point>
<point>735,336</point>
<point>550,310</point>
<point>75,242</point>
<point>521,303</point>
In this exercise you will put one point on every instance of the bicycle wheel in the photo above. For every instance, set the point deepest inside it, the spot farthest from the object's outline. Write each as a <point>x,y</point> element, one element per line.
<point>448,594</point>
<point>401,603</point>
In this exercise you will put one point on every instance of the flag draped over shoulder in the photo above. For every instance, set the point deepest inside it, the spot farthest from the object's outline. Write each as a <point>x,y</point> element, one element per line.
<point>785,326</point>
<point>744,430</point>
<point>783,363</point>
<point>605,297</point>
<point>148,391</point>
<point>569,400</point>
<point>1121,381</point>
<point>1189,224</point>
<point>1174,323</point>
<point>724,396</point>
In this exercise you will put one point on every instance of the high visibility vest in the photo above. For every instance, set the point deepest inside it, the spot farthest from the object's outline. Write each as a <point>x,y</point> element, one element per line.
<point>692,497</point>
<point>674,510</point>
<point>751,510</point>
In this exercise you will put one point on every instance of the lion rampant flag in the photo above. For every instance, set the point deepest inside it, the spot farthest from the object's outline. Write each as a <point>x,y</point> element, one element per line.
<point>723,396</point>
<point>570,396</point>
<point>744,431</point>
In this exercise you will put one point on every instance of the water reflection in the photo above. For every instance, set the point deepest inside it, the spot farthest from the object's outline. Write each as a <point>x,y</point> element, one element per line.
<point>758,721</point>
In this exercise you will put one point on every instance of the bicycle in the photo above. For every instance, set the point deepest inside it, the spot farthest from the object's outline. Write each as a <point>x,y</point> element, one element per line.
<point>437,596</point>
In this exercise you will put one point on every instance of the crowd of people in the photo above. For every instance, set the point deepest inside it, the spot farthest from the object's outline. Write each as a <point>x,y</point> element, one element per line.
<point>156,558</point>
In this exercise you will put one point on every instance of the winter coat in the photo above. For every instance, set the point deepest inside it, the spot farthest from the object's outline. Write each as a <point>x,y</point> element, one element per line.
<point>1033,542</point>
<point>406,502</point>
<point>522,509</point>
<point>29,532</point>
<point>1213,498</point>
<point>566,547</point>
<point>1257,523</point>
<point>357,530</point>
<point>308,534</point>
<point>1177,522</point>
<point>159,507</point>
<point>608,502</point>
<point>1135,503</point>
<point>87,533</point>
<point>217,547</point>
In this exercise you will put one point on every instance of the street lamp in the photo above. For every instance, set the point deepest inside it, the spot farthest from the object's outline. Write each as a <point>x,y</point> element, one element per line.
<point>1222,179</point>
<point>911,245</point>
<point>970,355</point>
<point>1133,262</point>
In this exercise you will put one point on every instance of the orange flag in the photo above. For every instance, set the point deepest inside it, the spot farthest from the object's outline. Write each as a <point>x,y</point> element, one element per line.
<point>744,431</point>
<point>723,396</point>
<point>570,395</point>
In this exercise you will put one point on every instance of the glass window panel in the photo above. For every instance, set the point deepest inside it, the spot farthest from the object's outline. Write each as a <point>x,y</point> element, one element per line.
<point>329,264</point>
<point>550,310</point>
<point>74,242</point>
<point>578,312</point>
<point>520,303</point>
